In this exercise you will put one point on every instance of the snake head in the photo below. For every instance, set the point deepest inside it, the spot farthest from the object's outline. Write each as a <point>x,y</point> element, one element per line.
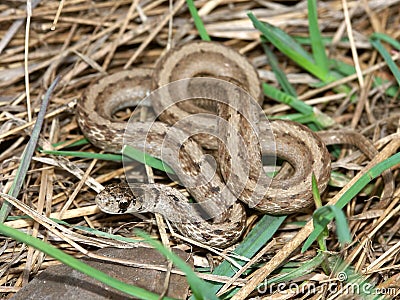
<point>118,199</point>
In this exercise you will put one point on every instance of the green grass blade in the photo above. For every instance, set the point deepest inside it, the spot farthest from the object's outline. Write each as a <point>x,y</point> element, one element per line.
<point>315,116</point>
<point>198,22</point>
<point>83,141</point>
<point>342,67</point>
<point>81,228</point>
<point>127,153</point>
<point>77,264</point>
<point>284,98</point>
<point>281,40</point>
<point>374,172</point>
<point>386,38</point>
<point>279,74</point>
<point>317,44</point>
<point>305,268</point>
<point>364,287</point>
<point>289,47</point>
<point>28,153</point>
<point>315,191</point>
<point>101,233</point>
<point>131,153</point>
<point>347,70</point>
<point>321,239</point>
<point>262,232</point>
<point>333,212</point>
<point>197,285</point>
<point>386,56</point>
<point>391,91</point>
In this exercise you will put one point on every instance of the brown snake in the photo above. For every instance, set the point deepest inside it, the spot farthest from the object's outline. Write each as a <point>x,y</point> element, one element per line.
<point>215,192</point>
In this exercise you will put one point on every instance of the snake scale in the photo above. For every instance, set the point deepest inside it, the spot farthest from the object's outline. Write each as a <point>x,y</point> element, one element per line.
<point>240,150</point>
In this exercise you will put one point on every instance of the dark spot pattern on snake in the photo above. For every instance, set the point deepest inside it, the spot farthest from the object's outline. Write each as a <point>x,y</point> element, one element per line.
<point>215,189</point>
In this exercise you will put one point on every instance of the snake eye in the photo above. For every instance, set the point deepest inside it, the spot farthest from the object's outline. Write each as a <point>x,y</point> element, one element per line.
<point>123,205</point>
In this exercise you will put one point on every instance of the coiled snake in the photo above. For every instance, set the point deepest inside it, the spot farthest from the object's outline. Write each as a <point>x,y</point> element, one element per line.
<point>241,145</point>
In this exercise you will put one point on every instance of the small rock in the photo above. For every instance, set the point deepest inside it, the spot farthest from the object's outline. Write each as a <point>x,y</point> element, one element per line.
<point>63,282</point>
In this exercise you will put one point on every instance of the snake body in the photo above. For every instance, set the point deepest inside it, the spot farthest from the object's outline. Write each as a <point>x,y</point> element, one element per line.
<point>215,192</point>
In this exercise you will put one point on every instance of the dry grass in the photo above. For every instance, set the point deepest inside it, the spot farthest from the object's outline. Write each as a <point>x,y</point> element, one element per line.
<point>93,38</point>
